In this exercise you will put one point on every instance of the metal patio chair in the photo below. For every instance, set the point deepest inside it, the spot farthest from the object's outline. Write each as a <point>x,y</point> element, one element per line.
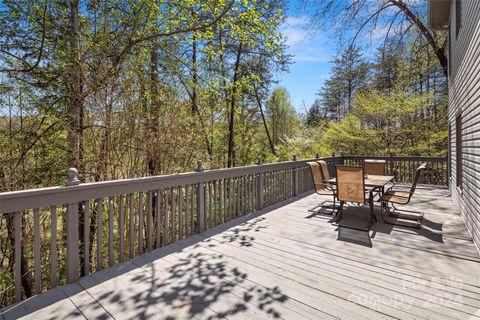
<point>351,188</point>
<point>321,187</point>
<point>396,195</point>
<point>376,167</point>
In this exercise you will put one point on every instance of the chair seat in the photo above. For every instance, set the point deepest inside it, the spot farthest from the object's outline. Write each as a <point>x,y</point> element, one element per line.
<point>325,192</point>
<point>400,197</point>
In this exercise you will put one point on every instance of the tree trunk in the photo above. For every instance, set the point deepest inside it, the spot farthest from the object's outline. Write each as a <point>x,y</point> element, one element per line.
<point>153,113</point>
<point>231,125</point>
<point>194,97</point>
<point>270,141</point>
<point>75,112</point>
<point>438,49</point>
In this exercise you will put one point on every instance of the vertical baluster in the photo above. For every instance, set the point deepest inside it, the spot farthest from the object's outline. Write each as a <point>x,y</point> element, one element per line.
<point>73,265</point>
<point>245,199</point>
<point>99,234</point>
<point>53,247</point>
<point>37,251</point>
<point>277,184</point>
<point>180,212</point>
<point>229,199</point>
<point>247,192</point>
<point>140,222</point>
<point>149,220</point>
<point>17,230</point>
<point>86,237</point>
<point>193,210</point>
<point>224,187</point>
<point>110,232</point>
<point>238,196</point>
<point>165,219</point>
<point>210,206</point>
<point>231,212</point>
<point>274,190</point>
<point>131,233</point>
<point>217,203</point>
<point>121,228</point>
<point>172,212</point>
<point>158,217</point>
<point>187,211</point>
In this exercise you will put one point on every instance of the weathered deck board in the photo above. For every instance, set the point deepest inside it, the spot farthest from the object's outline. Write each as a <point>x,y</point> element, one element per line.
<point>288,263</point>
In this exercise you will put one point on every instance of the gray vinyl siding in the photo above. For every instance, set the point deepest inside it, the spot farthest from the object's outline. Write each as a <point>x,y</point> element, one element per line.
<point>464,99</point>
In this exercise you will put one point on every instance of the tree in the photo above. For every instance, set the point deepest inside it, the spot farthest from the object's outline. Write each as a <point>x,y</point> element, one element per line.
<point>396,16</point>
<point>281,116</point>
<point>350,73</point>
<point>316,113</point>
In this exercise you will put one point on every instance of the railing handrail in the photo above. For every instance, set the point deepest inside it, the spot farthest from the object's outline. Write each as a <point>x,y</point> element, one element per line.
<point>417,158</point>
<point>50,196</point>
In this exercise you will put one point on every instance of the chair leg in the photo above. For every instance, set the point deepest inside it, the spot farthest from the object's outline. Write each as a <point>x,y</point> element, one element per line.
<point>334,206</point>
<point>398,216</point>
<point>340,212</point>
<point>373,219</point>
<point>403,216</point>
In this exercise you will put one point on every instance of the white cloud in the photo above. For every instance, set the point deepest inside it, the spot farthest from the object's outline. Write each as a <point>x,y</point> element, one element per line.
<point>305,46</point>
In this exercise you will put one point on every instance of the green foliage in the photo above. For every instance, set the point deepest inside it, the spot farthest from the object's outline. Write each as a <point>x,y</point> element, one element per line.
<point>385,123</point>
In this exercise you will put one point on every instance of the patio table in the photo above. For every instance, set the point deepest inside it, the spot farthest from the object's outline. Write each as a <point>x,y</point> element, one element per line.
<point>371,181</point>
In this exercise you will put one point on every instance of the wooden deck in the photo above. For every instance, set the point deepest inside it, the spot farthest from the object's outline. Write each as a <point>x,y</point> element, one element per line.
<point>286,262</point>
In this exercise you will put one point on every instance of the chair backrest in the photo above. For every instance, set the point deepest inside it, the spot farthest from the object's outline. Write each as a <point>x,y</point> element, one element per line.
<point>316,176</point>
<point>350,183</point>
<point>376,167</point>
<point>419,171</point>
<point>325,172</point>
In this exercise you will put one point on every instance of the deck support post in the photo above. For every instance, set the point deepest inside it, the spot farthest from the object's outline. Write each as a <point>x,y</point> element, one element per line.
<point>73,265</point>
<point>201,209</point>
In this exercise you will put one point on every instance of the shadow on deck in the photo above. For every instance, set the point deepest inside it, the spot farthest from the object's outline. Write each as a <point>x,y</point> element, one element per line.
<point>285,262</point>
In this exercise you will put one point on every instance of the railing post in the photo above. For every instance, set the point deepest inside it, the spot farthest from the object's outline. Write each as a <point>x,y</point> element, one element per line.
<point>200,200</point>
<point>259,191</point>
<point>343,158</point>
<point>317,156</point>
<point>391,165</point>
<point>295,178</point>
<point>72,231</point>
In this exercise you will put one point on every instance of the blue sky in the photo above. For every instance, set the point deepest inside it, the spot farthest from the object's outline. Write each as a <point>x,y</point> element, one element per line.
<point>312,51</point>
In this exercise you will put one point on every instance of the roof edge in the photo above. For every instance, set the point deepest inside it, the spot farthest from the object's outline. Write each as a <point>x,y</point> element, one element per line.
<point>438,14</point>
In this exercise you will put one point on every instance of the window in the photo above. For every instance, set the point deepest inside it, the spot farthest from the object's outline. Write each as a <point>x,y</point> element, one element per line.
<point>458,16</point>
<point>458,149</point>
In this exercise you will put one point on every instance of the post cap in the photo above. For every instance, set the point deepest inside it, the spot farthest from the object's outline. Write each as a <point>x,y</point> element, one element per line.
<point>199,166</point>
<point>72,177</point>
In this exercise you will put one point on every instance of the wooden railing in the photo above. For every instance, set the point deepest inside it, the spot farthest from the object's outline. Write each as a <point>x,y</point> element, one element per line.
<point>404,168</point>
<point>59,234</point>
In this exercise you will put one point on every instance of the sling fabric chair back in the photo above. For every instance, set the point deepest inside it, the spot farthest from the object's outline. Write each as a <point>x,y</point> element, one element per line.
<point>375,167</point>
<point>325,172</point>
<point>316,176</point>
<point>419,171</point>
<point>350,184</point>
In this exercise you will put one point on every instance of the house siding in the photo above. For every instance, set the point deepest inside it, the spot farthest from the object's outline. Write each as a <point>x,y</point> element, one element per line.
<point>464,100</point>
